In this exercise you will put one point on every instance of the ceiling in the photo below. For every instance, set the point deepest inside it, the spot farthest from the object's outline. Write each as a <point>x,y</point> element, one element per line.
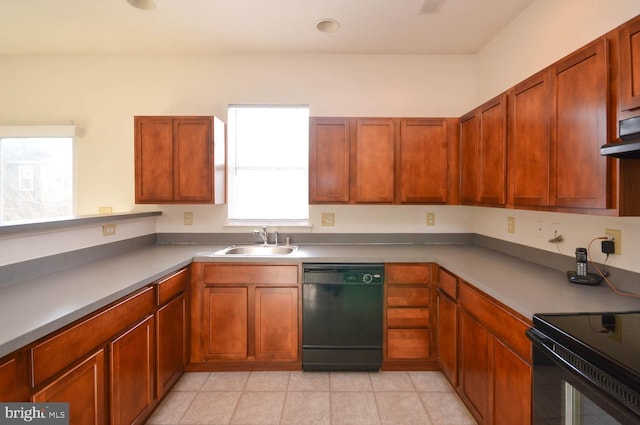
<point>251,26</point>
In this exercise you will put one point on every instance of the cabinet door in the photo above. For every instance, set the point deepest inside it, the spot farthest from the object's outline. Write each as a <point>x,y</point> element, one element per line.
<point>492,152</point>
<point>154,159</point>
<point>529,141</point>
<point>14,379</point>
<point>375,161</point>
<point>171,344</point>
<point>83,387</point>
<point>474,365</point>
<point>447,330</point>
<point>469,134</point>
<point>329,153</point>
<point>193,159</point>
<point>629,39</point>
<point>511,386</point>
<point>276,323</point>
<point>225,322</point>
<point>132,374</point>
<point>423,164</point>
<point>580,90</point>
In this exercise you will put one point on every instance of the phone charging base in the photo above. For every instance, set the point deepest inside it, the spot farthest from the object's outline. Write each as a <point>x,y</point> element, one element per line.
<point>589,279</point>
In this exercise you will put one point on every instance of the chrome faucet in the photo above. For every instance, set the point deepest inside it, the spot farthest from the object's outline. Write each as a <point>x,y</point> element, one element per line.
<point>264,235</point>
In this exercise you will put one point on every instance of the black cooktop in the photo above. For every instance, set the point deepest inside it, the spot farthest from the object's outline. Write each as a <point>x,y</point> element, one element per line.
<point>609,340</point>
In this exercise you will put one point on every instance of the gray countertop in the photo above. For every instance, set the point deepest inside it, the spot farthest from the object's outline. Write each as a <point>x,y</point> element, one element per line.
<point>32,309</point>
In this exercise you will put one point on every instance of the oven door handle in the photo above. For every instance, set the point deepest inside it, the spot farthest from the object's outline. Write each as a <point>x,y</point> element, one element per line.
<point>539,339</point>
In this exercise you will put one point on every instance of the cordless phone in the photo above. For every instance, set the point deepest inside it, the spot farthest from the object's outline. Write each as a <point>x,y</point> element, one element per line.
<point>581,261</point>
<point>581,275</point>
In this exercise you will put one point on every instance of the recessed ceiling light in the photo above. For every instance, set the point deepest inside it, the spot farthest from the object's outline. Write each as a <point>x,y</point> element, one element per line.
<point>328,25</point>
<point>142,4</point>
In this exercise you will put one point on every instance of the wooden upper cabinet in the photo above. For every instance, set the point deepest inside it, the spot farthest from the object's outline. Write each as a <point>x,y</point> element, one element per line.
<point>629,39</point>
<point>529,141</point>
<point>329,153</point>
<point>175,160</point>
<point>423,161</point>
<point>469,133</point>
<point>374,160</point>
<point>580,88</point>
<point>483,154</point>
<point>492,152</point>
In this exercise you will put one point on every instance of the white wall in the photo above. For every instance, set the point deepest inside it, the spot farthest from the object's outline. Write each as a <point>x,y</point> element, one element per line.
<point>545,32</point>
<point>101,93</point>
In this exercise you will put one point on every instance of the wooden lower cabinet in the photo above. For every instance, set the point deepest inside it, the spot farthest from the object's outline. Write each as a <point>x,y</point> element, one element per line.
<point>495,371</point>
<point>244,316</point>
<point>226,322</point>
<point>14,378</point>
<point>171,334</point>
<point>83,386</point>
<point>276,323</point>
<point>409,337</point>
<point>447,334</point>
<point>113,366</point>
<point>474,366</point>
<point>511,386</point>
<point>132,374</point>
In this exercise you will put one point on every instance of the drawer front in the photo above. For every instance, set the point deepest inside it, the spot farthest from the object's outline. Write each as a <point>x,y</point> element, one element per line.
<point>408,318</point>
<point>55,353</point>
<point>408,273</point>
<point>251,274</point>
<point>448,283</point>
<point>172,286</point>
<point>398,296</point>
<point>408,344</point>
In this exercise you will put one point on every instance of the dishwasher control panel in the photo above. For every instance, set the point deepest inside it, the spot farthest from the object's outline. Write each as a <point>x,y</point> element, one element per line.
<point>343,273</point>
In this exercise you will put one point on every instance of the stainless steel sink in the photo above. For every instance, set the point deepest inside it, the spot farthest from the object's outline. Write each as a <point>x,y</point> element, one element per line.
<point>258,250</point>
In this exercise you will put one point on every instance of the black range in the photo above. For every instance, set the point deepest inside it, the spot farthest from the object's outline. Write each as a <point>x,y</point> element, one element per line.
<point>586,368</point>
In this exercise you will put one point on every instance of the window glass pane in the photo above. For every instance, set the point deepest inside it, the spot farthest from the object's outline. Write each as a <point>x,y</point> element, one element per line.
<point>268,162</point>
<point>36,178</point>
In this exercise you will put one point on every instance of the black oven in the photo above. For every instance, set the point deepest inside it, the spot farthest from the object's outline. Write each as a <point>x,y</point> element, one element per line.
<point>586,368</point>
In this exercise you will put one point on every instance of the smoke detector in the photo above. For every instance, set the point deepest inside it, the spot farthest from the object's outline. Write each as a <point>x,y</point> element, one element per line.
<point>142,4</point>
<point>430,7</point>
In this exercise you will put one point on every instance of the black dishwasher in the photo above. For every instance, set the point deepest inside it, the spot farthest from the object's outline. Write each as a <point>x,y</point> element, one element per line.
<point>342,316</point>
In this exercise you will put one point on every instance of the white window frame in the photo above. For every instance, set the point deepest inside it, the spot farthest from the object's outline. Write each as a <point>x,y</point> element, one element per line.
<point>44,131</point>
<point>232,169</point>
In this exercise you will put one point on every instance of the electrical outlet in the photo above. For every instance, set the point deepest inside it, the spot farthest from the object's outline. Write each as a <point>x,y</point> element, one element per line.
<point>431,219</point>
<point>188,218</point>
<point>540,229</point>
<point>328,219</point>
<point>511,224</point>
<point>105,210</point>
<point>616,235</point>
<point>108,229</point>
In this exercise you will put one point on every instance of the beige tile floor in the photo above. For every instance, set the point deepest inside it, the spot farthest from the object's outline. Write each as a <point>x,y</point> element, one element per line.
<point>318,398</point>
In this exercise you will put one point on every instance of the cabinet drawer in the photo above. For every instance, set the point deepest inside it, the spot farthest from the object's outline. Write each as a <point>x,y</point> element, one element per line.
<point>408,317</point>
<point>407,273</point>
<point>55,353</point>
<point>448,283</point>
<point>172,286</point>
<point>398,296</point>
<point>408,344</point>
<point>248,273</point>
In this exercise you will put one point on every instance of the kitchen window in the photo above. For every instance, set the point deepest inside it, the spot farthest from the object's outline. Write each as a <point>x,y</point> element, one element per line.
<point>268,164</point>
<point>36,173</point>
